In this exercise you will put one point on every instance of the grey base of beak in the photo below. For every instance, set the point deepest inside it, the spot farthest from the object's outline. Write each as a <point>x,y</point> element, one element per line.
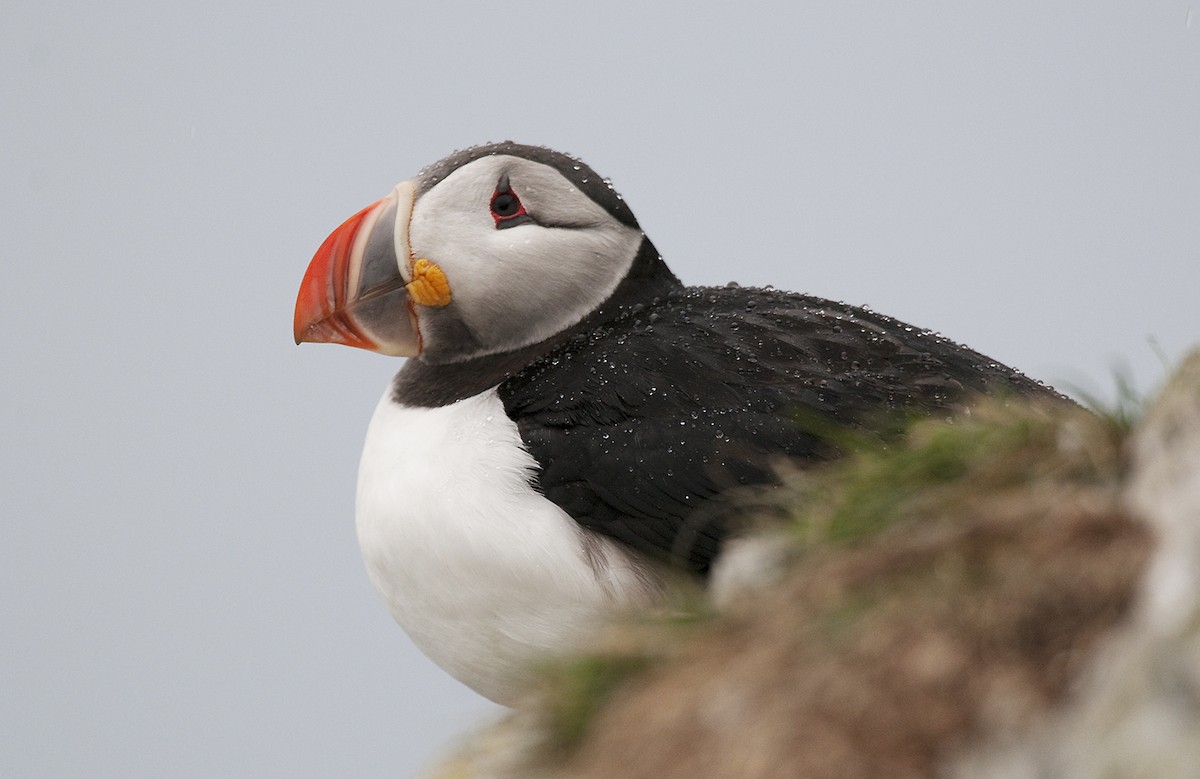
<point>381,306</point>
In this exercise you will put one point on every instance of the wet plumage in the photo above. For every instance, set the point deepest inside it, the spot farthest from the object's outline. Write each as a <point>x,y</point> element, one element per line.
<point>572,418</point>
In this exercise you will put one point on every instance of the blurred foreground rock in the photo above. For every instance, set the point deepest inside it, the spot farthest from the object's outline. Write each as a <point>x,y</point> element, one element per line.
<point>1137,713</point>
<point>1016,594</point>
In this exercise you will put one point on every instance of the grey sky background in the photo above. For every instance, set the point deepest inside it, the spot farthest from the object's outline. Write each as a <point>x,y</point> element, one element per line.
<point>180,586</point>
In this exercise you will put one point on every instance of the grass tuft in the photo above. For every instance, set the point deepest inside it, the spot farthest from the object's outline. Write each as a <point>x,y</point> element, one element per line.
<point>995,446</point>
<point>1127,406</point>
<point>576,689</point>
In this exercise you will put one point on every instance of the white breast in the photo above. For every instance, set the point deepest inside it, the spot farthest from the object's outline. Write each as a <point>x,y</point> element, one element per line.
<point>484,573</point>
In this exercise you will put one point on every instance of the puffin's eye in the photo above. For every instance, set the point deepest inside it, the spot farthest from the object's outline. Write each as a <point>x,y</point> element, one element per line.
<point>505,205</point>
<point>507,209</point>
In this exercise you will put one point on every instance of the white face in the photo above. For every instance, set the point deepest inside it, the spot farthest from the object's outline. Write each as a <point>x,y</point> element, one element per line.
<point>514,283</point>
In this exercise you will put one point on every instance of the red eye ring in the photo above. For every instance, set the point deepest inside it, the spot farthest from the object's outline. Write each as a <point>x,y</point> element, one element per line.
<point>507,209</point>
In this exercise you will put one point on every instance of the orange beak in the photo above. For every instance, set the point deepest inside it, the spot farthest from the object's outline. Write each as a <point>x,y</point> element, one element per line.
<point>353,292</point>
<point>321,315</point>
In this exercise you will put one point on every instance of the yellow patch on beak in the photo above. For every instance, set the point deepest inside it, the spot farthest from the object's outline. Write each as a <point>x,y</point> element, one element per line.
<point>429,285</point>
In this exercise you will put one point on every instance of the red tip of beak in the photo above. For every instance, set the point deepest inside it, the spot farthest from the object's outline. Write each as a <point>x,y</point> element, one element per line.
<point>320,305</point>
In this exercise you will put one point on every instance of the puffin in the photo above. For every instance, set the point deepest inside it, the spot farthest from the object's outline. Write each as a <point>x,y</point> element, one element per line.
<point>572,424</point>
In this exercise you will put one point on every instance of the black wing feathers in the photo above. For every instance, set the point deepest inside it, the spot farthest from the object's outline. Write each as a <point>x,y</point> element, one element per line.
<point>641,424</point>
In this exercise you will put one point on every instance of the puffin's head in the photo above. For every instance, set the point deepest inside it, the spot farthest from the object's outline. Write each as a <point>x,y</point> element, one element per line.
<point>491,249</point>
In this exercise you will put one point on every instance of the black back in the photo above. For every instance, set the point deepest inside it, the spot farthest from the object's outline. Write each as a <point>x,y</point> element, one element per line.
<point>642,422</point>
